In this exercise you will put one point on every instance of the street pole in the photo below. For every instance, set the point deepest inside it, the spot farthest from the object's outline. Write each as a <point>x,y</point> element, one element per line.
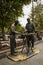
<point>32,11</point>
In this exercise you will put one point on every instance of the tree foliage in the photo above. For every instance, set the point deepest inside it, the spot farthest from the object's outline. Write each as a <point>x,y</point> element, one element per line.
<point>19,28</point>
<point>10,9</point>
<point>38,17</point>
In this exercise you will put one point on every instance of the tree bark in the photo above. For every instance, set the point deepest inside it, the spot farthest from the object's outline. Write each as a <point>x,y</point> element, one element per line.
<point>3,32</point>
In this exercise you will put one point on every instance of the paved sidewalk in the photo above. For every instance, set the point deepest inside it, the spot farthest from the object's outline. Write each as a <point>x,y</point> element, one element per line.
<point>35,60</point>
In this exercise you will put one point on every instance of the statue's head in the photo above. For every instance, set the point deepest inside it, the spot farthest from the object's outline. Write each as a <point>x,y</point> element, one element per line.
<point>16,22</point>
<point>28,20</point>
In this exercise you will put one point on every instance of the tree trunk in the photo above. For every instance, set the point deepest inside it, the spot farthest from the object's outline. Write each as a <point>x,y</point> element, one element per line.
<point>3,32</point>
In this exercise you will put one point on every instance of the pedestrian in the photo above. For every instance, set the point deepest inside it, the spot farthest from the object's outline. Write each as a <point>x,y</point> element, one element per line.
<point>12,38</point>
<point>30,37</point>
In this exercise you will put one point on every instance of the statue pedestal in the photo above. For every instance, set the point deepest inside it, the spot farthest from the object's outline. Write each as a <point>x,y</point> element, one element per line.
<point>21,57</point>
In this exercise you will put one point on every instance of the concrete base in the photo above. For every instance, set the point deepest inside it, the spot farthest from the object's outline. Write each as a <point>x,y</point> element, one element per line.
<point>21,57</point>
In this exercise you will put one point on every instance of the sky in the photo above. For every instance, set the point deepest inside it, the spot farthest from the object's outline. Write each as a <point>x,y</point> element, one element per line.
<point>27,12</point>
